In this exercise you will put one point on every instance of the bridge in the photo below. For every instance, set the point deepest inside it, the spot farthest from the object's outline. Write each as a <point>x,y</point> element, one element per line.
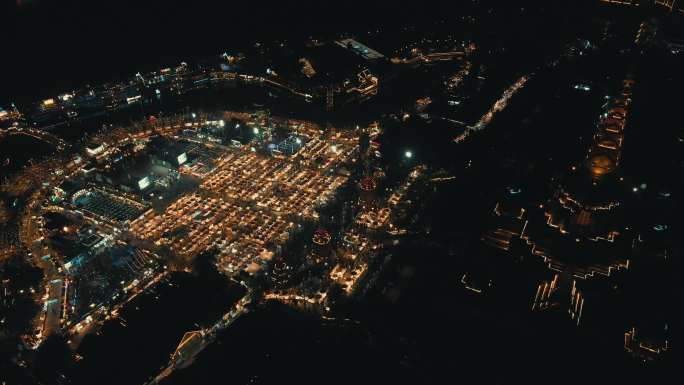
<point>193,342</point>
<point>284,87</point>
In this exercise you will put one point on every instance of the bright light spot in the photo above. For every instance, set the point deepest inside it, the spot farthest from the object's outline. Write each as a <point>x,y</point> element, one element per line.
<point>256,131</point>
<point>237,125</point>
<point>194,115</point>
<point>408,154</point>
<point>221,123</point>
<point>643,186</point>
<point>635,189</point>
<point>333,148</point>
<point>299,141</point>
<point>660,227</point>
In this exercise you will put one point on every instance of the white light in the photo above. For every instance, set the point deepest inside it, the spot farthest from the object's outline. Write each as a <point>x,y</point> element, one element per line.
<point>194,115</point>
<point>299,141</point>
<point>256,131</point>
<point>237,125</point>
<point>635,189</point>
<point>221,123</point>
<point>333,148</point>
<point>408,154</point>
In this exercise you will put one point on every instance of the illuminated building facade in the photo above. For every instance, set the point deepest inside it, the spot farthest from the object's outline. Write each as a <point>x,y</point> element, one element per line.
<point>280,274</point>
<point>668,4</point>
<point>577,233</point>
<point>368,193</point>
<point>646,347</point>
<point>321,245</point>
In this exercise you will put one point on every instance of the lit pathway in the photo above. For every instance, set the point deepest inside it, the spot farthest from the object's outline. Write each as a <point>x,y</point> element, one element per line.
<point>498,106</point>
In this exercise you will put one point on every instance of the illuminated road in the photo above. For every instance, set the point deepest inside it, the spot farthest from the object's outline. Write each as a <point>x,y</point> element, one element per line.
<point>37,134</point>
<point>498,106</point>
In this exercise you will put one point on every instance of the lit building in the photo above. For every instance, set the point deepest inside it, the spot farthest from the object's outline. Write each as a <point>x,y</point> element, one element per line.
<point>95,149</point>
<point>130,175</point>
<point>578,232</point>
<point>321,245</point>
<point>280,275</point>
<point>367,192</point>
<point>167,153</point>
<point>667,4</point>
<point>48,104</point>
<point>647,346</point>
<point>360,49</point>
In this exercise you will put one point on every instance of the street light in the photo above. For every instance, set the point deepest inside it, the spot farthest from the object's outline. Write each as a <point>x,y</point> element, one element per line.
<point>408,154</point>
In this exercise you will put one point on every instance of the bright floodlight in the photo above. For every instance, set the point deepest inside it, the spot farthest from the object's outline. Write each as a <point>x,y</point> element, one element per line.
<point>408,154</point>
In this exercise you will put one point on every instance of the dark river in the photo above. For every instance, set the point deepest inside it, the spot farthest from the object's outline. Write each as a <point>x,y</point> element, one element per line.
<point>134,348</point>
